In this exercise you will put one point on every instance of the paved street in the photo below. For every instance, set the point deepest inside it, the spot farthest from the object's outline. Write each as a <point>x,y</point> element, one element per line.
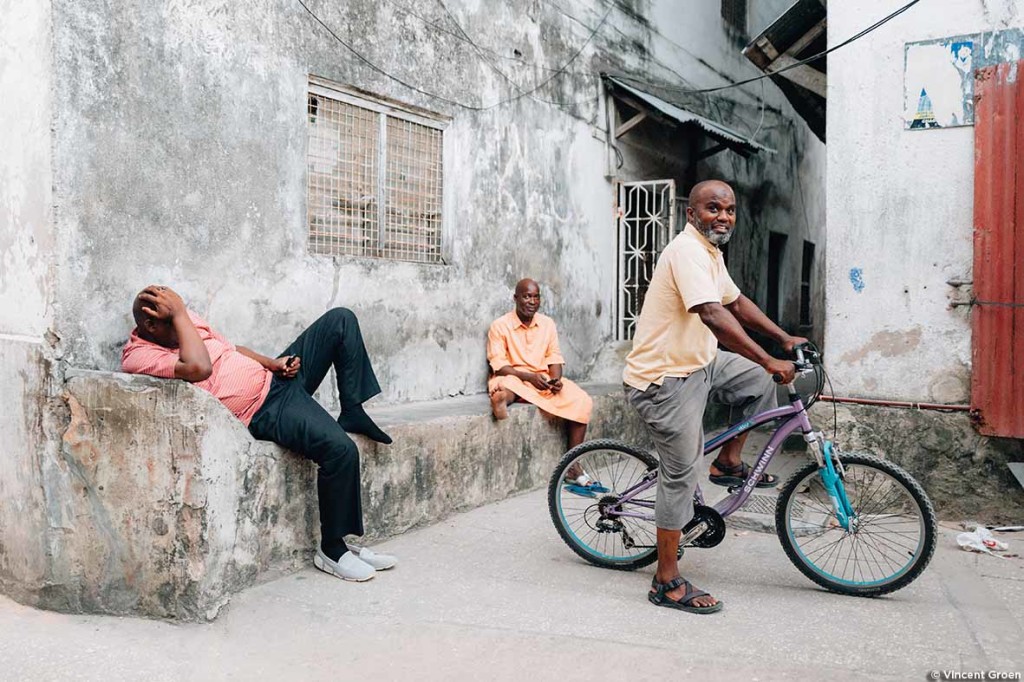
<point>494,594</point>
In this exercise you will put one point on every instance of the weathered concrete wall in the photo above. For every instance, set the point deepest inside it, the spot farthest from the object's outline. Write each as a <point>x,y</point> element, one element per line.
<point>181,158</point>
<point>900,227</point>
<point>26,293</point>
<point>166,506</point>
<point>900,210</point>
<point>964,474</point>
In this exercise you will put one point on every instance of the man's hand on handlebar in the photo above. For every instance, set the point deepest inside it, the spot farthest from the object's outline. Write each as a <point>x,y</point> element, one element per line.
<point>792,342</point>
<point>783,371</point>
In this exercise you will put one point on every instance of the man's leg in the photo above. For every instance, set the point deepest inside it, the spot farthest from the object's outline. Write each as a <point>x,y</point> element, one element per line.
<point>336,340</point>
<point>674,414</point>
<point>738,382</point>
<point>501,398</point>
<point>575,432</point>
<point>292,418</point>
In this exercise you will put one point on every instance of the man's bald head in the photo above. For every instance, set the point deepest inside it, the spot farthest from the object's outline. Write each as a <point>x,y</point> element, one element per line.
<point>712,210</point>
<point>712,187</point>
<point>137,312</point>
<point>526,283</point>
<point>527,298</point>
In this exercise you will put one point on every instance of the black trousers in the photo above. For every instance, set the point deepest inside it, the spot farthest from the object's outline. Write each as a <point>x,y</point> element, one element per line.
<point>292,418</point>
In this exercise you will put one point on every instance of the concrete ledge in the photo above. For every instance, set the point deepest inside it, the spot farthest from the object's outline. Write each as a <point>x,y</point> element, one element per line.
<point>168,506</point>
<point>964,473</point>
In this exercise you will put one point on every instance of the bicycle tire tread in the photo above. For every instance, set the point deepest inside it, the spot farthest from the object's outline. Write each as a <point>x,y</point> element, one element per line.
<point>897,473</point>
<point>555,484</point>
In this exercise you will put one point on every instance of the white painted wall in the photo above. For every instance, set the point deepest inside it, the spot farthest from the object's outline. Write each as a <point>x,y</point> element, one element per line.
<point>899,209</point>
<point>26,199</point>
<point>26,247</point>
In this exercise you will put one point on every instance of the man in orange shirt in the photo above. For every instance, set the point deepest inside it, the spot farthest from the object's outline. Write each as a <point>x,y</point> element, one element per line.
<point>527,364</point>
<point>274,398</point>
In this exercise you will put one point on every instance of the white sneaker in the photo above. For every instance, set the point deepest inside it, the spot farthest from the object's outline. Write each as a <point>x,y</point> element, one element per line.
<point>347,567</point>
<point>381,562</point>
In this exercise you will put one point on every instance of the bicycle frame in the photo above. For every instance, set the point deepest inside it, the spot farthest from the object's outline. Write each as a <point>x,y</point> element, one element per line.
<point>795,415</point>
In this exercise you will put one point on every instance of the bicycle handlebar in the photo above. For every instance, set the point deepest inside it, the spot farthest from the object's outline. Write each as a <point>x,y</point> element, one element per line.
<point>802,363</point>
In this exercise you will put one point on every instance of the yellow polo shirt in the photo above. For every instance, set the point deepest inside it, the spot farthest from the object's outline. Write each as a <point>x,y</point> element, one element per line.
<point>670,341</point>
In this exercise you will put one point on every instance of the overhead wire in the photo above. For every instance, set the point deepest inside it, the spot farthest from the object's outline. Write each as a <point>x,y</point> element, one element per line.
<point>441,98</point>
<point>788,67</point>
<point>481,51</point>
<point>563,68</point>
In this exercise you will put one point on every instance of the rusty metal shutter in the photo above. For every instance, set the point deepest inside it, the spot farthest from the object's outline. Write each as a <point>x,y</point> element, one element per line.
<point>997,378</point>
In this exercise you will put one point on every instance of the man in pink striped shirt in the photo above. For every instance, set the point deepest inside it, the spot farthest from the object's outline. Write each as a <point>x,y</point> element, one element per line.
<point>274,398</point>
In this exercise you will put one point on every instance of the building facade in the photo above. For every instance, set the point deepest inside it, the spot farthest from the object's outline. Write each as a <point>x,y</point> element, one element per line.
<point>410,161</point>
<point>904,214</point>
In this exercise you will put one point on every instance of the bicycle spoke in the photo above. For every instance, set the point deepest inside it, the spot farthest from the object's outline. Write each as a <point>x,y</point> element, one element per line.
<point>884,536</point>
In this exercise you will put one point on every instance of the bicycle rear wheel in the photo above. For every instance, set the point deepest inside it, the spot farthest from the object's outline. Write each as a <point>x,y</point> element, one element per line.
<point>890,542</point>
<point>586,520</point>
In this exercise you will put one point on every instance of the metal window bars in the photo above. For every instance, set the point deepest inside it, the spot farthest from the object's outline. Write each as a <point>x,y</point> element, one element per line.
<point>646,223</point>
<point>375,181</point>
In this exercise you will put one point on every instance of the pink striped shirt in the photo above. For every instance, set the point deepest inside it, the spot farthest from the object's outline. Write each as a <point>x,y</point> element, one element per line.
<point>239,382</point>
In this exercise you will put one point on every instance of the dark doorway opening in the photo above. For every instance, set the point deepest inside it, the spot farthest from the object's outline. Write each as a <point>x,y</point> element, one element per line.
<point>776,253</point>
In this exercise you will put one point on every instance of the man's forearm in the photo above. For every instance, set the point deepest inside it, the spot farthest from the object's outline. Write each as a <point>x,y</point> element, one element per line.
<point>509,370</point>
<point>727,329</point>
<point>191,349</point>
<point>249,353</point>
<point>751,317</point>
<point>555,372</point>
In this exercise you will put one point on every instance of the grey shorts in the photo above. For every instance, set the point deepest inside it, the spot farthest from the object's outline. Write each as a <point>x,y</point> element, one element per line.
<point>674,414</point>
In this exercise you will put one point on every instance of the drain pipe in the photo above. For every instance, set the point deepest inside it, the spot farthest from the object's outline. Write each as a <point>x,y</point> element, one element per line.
<point>898,403</point>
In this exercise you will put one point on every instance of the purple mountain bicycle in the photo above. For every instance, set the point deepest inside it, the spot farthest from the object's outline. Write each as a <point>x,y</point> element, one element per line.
<point>853,523</point>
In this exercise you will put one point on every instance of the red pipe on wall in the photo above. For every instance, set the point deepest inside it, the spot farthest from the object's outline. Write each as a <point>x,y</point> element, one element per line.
<point>898,403</point>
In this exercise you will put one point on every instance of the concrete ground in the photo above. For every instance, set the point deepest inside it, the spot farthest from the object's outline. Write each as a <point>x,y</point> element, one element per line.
<point>493,594</point>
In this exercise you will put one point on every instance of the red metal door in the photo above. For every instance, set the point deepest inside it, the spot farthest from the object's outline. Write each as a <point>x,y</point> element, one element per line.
<point>997,383</point>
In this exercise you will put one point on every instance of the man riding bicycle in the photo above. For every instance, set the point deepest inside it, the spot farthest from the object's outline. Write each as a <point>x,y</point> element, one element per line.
<point>675,367</point>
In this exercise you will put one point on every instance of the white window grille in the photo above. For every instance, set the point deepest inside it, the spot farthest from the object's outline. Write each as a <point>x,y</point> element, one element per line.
<point>375,177</point>
<point>646,223</point>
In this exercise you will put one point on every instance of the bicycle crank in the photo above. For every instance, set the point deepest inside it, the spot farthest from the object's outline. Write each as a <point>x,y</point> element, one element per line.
<point>706,529</point>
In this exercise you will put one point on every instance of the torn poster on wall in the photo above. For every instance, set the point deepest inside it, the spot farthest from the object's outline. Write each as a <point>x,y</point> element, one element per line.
<point>939,83</point>
<point>939,75</point>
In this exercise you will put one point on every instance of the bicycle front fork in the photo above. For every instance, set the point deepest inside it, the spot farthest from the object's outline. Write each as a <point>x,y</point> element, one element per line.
<point>830,468</point>
<point>835,488</point>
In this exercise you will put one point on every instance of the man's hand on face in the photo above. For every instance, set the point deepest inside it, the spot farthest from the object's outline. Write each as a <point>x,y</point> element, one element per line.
<point>286,367</point>
<point>163,302</point>
<point>784,368</point>
<point>792,342</point>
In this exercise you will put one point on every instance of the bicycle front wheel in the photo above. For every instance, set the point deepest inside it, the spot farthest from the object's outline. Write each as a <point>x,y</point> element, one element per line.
<point>890,541</point>
<point>593,521</point>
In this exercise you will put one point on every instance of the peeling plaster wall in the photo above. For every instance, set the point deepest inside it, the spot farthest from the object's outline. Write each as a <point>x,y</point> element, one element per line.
<point>180,158</point>
<point>899,212</point>
<point>26,242</point>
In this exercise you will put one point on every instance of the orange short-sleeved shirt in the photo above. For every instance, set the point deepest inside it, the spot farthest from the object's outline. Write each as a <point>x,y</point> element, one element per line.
<point>239,382</point>
<point>530,348</point>
<point>670,341</point>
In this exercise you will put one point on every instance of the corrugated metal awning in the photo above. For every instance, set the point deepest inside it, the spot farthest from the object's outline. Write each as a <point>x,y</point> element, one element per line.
<point>728,137</point>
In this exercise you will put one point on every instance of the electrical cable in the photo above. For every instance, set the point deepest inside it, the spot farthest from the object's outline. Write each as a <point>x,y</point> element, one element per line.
<point>788,67</point>
<point>447,100</point>
<point>561,70</point>
<point>381,71</point>
<point>494,67</point>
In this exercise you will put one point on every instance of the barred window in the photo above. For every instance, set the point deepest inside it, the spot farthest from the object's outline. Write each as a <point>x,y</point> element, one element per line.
<point>375,177</point>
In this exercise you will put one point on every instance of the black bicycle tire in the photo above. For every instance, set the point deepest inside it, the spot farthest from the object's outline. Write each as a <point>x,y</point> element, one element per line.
<point>899,474</point>
<point>555,485</point>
